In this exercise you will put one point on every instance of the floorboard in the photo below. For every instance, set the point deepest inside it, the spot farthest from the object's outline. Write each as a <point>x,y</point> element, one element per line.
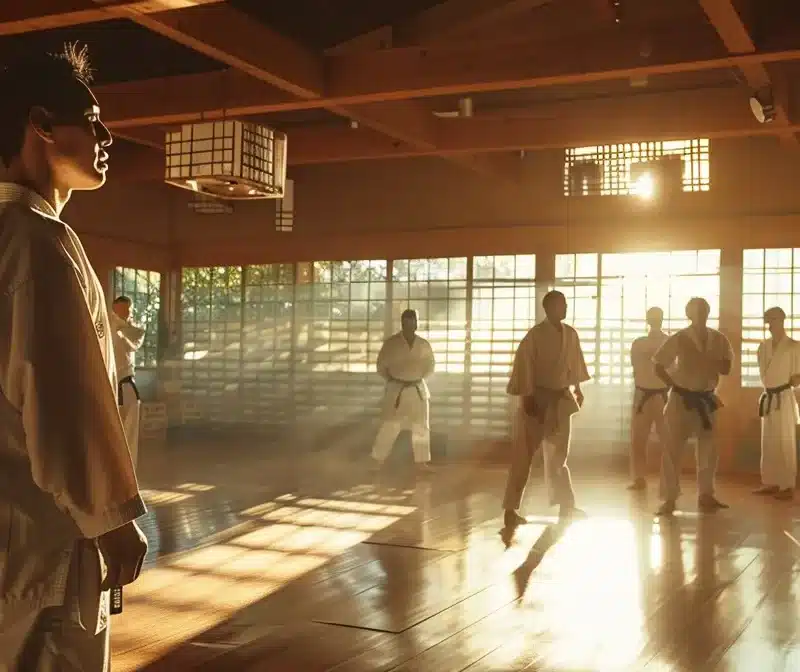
<point>272,565</point>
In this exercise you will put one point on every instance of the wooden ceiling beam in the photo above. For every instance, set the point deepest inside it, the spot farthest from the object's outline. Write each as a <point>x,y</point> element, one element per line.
<point>33,15</point>
<point>736,37</point>
<point>401,74</point>
<point>229,36</point>
<point>709,113</point>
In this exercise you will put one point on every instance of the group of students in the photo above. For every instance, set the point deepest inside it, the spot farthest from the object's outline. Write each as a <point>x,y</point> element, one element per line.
<point>676,378</point>
<point>69,496</point>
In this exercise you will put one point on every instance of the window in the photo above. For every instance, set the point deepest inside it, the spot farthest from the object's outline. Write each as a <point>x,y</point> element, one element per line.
<point>211,324</point>
<point>437,290</point>
<point>625,169</point>
<point>576,277</point>
<point>339,329</point>
<point>143,288</point>
<point>770,278</point>
<point>284,209</point>
<point>608,296</point>
<point>267,344</point>
<point>503,310</point>
<point>632,283</point>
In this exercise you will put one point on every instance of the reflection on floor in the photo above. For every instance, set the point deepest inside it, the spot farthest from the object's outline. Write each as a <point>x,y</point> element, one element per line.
<point>327,568</point>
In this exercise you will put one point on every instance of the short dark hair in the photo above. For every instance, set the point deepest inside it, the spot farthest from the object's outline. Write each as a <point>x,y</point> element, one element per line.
<point>551,296</point>
<point>408,312</point>
<point>123,299</point>
<point>44,79</point>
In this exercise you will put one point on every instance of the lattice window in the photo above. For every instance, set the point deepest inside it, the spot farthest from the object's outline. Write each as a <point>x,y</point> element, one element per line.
<point>503,310</point>
<point>437,290</point>
<point>211,326</point>
<point>267,344</point>
<point>632,283</point>
<point>576,277</point>
<point>612,170</point>
<point>339,329</point>
<point>771,277</point>
<point>143,288</point>
<point>608,296</point>
<point>284,209</point>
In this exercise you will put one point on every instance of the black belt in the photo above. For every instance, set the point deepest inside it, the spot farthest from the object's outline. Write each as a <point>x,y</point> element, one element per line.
<point>648,393</point>
<point>770,393</point>
<point>405,385</point>
<point>703,403</point>
<point>122,381</point>
<point>551,398</point>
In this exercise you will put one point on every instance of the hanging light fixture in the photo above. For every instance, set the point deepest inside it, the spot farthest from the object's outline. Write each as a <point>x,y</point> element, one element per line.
<point>228,159</point>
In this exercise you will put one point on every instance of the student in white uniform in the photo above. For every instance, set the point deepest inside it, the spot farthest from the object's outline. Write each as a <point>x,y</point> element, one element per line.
<point>68,491</point>
<point>649,397</point>
<point>699,355</point>
<point>405,361</point>
<point>128,338</point>
<point>548,370</point>
<point>779,366</point>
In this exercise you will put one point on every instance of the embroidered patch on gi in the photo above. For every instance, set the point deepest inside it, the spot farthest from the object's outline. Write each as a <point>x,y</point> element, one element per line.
<point>100,328</point>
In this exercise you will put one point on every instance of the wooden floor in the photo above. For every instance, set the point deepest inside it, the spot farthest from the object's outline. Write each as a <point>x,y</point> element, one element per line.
<point>311,564</point>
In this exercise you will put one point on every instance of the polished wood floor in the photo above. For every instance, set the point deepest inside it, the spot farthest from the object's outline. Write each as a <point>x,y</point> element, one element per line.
<point>310,563</point>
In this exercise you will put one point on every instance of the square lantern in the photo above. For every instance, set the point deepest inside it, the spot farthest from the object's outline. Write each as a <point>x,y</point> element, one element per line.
<point>227,159</point>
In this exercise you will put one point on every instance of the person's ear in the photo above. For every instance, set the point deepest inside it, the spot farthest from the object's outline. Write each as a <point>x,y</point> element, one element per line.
<point>41,123</point>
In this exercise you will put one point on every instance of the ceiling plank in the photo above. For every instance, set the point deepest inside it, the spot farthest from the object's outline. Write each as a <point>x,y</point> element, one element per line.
<point>454,18</point>
<point>33,15</point>
<point>709,113</point>
<point>736,37</point>
<point>229,36</point>
<point>400,74</point>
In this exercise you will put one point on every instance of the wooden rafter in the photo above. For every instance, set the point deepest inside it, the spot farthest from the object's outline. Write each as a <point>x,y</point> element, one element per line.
<point>229,36</point>
<point>402,74</point>
<point>711,113</point>
<point>736,37</point>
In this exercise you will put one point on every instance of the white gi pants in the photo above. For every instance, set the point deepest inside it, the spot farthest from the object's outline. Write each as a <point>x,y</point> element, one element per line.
<point>50,640</point>
<point>411,413</point>
<point>779,443</point>
<point>527,434</point>
<point>648,411</point>
<point>680,425</point>
<point>129,410</point>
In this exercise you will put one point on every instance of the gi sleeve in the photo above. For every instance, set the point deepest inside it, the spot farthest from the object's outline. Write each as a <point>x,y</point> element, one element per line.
<point>580,374</point>
<point>668,352</point>
<point>522,383</point>
<point>57,374</point>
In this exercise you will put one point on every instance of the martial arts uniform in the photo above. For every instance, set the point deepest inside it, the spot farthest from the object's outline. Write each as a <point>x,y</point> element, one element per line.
<point>406,399</point>
<point>547,363</point>
<point>691,406</point>
<point>66,475</point>
<point>649,399</point>
<point>779,413</point>
<point>128,338</point>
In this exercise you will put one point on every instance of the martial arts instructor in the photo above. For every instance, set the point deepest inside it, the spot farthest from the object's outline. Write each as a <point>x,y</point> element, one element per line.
<point>68,491</point>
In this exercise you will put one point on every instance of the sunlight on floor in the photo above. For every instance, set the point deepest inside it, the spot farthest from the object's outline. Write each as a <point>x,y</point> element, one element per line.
<point>180,599</point>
